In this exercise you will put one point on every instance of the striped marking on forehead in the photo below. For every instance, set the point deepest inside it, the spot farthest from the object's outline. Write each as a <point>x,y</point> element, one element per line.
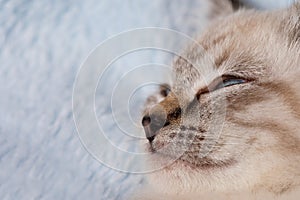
<point>192,74</point>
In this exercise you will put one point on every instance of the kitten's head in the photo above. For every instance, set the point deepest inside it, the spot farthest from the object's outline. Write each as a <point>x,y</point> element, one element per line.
<point>231,117</point>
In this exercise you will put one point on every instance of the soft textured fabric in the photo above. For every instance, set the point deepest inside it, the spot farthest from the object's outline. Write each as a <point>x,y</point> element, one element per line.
<point>42,45</point>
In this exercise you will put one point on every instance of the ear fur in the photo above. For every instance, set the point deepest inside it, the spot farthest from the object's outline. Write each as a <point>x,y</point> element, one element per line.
<point>220,8</point>
<point>236,4</point>
<point>291,24</point>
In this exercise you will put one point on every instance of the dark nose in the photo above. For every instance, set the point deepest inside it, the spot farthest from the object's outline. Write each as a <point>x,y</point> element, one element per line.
<point>153,122</point>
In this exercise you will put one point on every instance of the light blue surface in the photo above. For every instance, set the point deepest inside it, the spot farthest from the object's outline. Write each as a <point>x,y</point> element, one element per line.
<point>42,45</point>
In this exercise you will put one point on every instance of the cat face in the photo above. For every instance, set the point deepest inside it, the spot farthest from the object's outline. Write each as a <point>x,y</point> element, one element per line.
<point>231,116</point>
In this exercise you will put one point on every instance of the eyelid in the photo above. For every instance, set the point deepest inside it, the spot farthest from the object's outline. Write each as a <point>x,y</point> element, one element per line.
<point>209,88</point>
<point>213,86</point>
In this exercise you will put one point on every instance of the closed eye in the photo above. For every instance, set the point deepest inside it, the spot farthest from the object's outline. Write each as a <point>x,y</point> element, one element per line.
<point>222,82</point>
<point>227,81</point>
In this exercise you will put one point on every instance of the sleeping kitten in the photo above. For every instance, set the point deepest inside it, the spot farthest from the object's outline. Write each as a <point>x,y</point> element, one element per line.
<point>231,119</point>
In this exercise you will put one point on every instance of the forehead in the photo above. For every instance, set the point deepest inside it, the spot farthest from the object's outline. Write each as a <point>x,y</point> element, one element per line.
<point>238,45</point>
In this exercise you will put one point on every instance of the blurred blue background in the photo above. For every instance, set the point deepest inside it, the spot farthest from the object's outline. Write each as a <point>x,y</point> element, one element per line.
<point>42,44</point>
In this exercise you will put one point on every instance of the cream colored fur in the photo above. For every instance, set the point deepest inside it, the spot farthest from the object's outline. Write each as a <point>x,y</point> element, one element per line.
<point>254,127</point>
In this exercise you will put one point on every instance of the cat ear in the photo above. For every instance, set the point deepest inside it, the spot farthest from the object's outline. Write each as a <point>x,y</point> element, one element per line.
<point>236,4</point>
<point>222,8</point>
<point>291,24</point>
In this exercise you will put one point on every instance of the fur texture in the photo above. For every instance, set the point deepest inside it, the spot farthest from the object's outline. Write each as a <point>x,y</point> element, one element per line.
<point>240,141</point>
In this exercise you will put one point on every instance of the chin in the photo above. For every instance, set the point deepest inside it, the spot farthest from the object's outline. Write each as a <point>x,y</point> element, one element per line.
<point>183,177</point>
